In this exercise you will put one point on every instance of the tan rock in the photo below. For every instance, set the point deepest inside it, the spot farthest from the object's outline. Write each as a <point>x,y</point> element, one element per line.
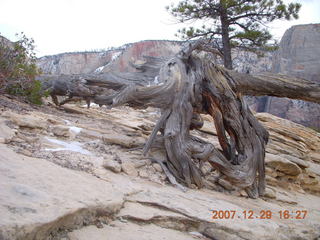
<point>281,164</point>
<point>143,173</point>
<point>129,169</point>
<point>140,163</point>
<point>271,172</point>
<point>208,127</point>
<point>305,179</point>
<point>27,139</point>
<point>224,183</point>
<point>123,140</point>
<point>286,199</point>
<point>315,168</point>
<point>129,231</point>
<point>25,152</point>
<point>30,121</point>
<point>300,162</point>
<point>314,156</point>
<point>112,165</point>
<point>270,193</point>
<point>313,188</point>
<point>310,173</point>
<point>271,181</point>
<point>39,198</point>
<point>6,133</point>
<point>61,131</point>
<point>157,167</point>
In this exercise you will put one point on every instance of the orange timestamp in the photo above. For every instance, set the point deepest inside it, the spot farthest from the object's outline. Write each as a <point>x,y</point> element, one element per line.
<point>263,214</point>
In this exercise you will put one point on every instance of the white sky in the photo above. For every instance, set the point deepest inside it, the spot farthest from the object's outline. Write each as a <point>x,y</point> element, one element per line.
<point>76,25</point>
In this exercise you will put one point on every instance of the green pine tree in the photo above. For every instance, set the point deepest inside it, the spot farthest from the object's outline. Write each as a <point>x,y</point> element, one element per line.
<point>233,23</point>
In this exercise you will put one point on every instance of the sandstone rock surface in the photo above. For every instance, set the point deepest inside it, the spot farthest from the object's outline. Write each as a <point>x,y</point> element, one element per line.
<point>69,194</point>
<point>38,197</point>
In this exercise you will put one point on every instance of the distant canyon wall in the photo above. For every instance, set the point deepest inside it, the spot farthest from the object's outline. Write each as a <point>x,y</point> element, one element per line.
<point>298,55</point>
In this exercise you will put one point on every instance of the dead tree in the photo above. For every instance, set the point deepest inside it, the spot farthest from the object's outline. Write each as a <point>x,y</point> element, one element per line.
<point>71,86</point>
<point>190,84</point>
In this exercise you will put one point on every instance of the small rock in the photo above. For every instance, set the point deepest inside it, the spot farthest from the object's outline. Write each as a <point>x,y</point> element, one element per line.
<point>157,167</point>
<point>243,193</point>
<point>271,181</point>
<point>270,193</point>
<point>286,199</point>
<point>123,140</point>
<point>307,180</point>
<point>112,165</point>
<point>315,168</point>
<point>315,157</point>
<point>301,163</point>
<point>6,133</point>
<point>61,131</point>
<point>29,140</point>
<point>29,121</point>
<point>283,165</point>
<point>140,163</point>
<point>129,169</point>
<point>279,174</point>
<point>143,173</point>
<point>271,172</point>
<point>25,152</point>
<point>224,183</point>
<point>310,174</point>
<point>212,185</point>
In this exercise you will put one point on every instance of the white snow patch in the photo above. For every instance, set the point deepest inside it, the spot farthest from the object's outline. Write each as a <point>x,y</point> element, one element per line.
<point>99,69</point>
<point>67,122</point>
<point>66,146</point>
<point>196,234</point>
<point>115,55</point>
<point>156,79</point>
<point>74,129</point>
<point>94,105</point>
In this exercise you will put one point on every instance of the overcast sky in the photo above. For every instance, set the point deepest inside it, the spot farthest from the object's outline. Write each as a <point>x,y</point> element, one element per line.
<point>76,25</point>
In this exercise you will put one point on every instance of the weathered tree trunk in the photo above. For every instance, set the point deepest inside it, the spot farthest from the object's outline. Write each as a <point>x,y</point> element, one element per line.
<point>227,60</point>
<point>190,85</point>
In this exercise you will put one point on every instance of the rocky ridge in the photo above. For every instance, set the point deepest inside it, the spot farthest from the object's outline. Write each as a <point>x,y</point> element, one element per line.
<point>76,173</point>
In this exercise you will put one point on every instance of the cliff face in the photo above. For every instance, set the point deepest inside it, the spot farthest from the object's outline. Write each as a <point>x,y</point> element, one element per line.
<point>299,52</point>
<point>134,53</point>
<point>299,56</point>
<point>120,59</point>
<point>75,63</point>
<point>117,59</point>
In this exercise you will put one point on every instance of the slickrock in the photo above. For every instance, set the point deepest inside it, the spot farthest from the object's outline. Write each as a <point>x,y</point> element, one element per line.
<point>112,165</point>
<point>30,121</point>
<point>129,169</point>
<point>39,198</point>
<point>281,164</point>
<point>6,133</point>
<point>69,192</point>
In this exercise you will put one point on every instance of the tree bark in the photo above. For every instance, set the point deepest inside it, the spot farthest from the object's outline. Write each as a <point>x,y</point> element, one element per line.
<point>226,47</point>
<point>190,84</point>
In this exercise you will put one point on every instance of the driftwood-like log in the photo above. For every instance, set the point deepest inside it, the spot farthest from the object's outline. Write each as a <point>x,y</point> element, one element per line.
<point>190,84</point>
